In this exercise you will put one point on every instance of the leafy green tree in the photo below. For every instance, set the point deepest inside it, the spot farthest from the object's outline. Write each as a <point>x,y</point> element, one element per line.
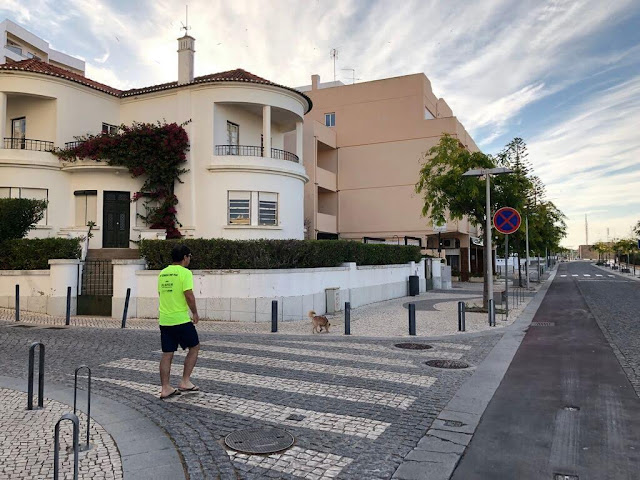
<point>446,193</point>
<point>18,216</point>
<point>636,229</point>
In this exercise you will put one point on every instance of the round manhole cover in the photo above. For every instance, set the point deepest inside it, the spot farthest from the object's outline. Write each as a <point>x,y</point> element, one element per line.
<point>259,440</point>
<point>456,364</point>
<point>414,346</point>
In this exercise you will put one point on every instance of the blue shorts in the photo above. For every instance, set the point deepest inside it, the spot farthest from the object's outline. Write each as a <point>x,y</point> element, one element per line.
<point>184,335</point>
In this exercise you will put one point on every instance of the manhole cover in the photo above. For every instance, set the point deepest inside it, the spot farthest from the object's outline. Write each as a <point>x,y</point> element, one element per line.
<point>453,423</point>
<point>24,326</point>
<point>414,346</point>
<point>54,328</point>
<point>447,364</point>
<point>543,324</point>
<point>571,408</point>
<point>564,476</point>
<point>259,440</point>
<point>296,418</point>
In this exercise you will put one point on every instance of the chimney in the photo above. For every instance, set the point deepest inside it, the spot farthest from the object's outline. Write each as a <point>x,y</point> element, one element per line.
<point>185,59</point>
<point>315,82</point>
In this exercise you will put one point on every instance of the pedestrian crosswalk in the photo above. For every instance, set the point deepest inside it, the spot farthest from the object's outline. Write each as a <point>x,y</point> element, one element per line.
<point>352,390</point>
<point>587,275</point>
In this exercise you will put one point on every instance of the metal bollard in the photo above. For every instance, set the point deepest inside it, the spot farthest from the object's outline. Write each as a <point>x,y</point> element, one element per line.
<point>491,313</point>
<point>32,353</point>
<point>67,319</point>
<point>347,318</point>
<point>17,303</point>
<point>56,445</point>
<point>75,396</point>
<point>412,319</point>
<point>126,309</point>
<point>461,317</point>
<point>274,316</point>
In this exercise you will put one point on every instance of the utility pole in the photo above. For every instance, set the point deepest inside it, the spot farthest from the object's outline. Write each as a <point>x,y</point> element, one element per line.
<point>526,227</point>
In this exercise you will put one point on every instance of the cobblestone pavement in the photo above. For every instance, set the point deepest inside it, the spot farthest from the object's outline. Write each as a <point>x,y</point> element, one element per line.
<point>356,407</point>
<point>615,302</point>
<point>27,443</point>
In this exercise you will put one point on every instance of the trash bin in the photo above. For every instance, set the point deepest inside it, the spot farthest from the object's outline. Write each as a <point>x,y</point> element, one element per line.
<point>414,285</point>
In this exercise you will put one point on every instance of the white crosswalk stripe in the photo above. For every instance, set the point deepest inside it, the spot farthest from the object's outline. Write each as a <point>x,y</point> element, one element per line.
<point>586,275</point>
<point>268,412</point>
<point>404,378</point>
<point>563,276</point>
<point>598,275</point>
<point>304,463</point>
<point>611,276</point>
<point>351,394</point>
<point>334,355</point>
<point>574,275</point>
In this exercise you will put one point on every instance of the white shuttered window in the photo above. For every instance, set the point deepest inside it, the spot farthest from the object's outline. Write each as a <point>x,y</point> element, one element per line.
<point>267,208</point>
<point>239,208</point>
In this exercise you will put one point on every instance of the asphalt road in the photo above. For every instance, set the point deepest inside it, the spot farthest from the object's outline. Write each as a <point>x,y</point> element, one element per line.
<point>567,404</point>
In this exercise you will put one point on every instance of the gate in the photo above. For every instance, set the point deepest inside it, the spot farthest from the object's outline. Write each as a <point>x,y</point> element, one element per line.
<point>96,288</point>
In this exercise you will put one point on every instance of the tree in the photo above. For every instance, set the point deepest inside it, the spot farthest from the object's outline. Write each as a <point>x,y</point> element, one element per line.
<point>18,216</point>
<point>446,192</point>
<point>636,229</point>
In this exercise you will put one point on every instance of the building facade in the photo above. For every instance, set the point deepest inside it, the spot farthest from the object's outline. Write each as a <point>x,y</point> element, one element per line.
<point>364,144</point>
<point>241,182</point>
<point>19,44</point>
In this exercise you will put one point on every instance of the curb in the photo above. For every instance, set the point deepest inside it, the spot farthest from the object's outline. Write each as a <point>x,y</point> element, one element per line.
<point>439,451</point>
<point>146,451</point>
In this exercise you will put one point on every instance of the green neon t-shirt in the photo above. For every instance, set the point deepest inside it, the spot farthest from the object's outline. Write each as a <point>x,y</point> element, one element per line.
<point>173,281</point>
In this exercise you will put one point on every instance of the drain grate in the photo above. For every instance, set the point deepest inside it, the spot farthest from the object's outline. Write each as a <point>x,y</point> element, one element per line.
<point>54,328</point>
<point>571,408</point>
<point>454,364</point>
<point>24,326</point>
<point>259,441</point>
<point>414,346</point>
<point>453,423</point>
<point>296,418</point>
<point>543,324</point>
<point>564,476</point>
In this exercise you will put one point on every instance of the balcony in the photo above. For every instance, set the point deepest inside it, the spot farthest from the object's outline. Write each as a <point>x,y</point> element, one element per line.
<point>326,179</point>
<point>253,151</point>
<point>327,223</point>
<point>28,144</point>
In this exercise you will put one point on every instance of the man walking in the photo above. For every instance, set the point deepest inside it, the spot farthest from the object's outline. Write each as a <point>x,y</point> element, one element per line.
<point>175,288</point>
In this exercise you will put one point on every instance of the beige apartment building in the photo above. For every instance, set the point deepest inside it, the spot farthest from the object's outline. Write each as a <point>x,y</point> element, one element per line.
<point>363,145</point>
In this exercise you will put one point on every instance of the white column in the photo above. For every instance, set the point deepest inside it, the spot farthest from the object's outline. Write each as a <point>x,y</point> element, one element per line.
<point>299,140</point>
<point>266,130</point>
<point>3,117</point>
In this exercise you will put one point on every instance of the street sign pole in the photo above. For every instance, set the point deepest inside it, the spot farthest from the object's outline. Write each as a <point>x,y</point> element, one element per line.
<point>506,274</point>
<point>488,247</point>
<point>526,227</point>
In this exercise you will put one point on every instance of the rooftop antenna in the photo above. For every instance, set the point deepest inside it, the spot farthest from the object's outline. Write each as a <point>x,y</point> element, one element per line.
<point>334,54</point>
<point>185,26</point>
<point>353,74</point>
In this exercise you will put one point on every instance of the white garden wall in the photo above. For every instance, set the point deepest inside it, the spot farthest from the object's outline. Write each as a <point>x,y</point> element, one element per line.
<point>246,295</point>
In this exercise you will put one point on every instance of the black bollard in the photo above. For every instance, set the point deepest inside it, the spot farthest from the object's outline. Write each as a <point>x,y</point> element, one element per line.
<point>274,316</point>
<point>347,318</point>
<point>491,317</point>
<point>67,319</point>
<point>412,319</point>
<point>32,353</point>
<point>17,303</point>
<point>126,309</point>
<point>461,316</point>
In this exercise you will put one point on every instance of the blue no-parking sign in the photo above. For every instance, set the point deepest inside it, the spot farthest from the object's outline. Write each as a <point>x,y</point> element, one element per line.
<point>507,220</point>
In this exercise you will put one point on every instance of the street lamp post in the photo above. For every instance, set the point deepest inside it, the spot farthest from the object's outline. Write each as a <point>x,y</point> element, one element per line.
<point>526,267</point>
<point>487,172</point>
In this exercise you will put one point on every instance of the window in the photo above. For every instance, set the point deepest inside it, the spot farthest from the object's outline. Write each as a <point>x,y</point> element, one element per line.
<point>267,208</point>
<point>109,129</point>
<point>330,119</point>
<point>86,207</point>
<point>18,132</point>
<point>427,114</point>
<point>239,208</point>
<point>32,193</point>
<point>233,137</point>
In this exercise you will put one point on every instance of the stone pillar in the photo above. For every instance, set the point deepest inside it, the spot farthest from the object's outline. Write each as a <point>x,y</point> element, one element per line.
<point>124,276</point>
<point>266,130</point>
<point>62,274</point>
<point>299,140</point>
<point>3,118</point>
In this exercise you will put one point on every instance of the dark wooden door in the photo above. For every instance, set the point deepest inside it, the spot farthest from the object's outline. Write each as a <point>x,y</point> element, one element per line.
<point>116,220</point>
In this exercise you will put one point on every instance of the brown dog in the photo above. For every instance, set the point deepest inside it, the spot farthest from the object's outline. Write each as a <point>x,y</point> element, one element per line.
<point>319,322</point>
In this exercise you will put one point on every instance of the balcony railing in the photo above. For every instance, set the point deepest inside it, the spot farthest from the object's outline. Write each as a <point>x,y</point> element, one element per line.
<point>28,144</point>
<point>75,144</point>
<point>252,151</point>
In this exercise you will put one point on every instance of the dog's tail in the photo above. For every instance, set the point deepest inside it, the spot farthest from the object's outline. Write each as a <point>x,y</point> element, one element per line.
<point>311,314</point>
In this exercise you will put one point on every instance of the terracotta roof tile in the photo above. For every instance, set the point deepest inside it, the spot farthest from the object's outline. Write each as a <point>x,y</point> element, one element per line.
<point>38,66</point>
<point>238,75</point>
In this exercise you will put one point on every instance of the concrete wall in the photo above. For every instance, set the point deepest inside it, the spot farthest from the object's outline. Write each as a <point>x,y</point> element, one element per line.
<point>246,295</point>
<point>41,291</point>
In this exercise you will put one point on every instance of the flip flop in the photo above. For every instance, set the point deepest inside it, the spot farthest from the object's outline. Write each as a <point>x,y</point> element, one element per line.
<point>172,394</point>
<point>195,388</point>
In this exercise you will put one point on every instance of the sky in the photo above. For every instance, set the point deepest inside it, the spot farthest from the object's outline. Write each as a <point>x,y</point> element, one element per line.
<point>562,75</point>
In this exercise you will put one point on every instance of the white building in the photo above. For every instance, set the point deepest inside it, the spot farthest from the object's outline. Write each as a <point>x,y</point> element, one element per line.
<point>242,182</point>
<point>20,44</point>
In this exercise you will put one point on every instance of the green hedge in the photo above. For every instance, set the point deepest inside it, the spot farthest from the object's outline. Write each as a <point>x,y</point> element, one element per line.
<point>34,254</point>
<point>265,254</point>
